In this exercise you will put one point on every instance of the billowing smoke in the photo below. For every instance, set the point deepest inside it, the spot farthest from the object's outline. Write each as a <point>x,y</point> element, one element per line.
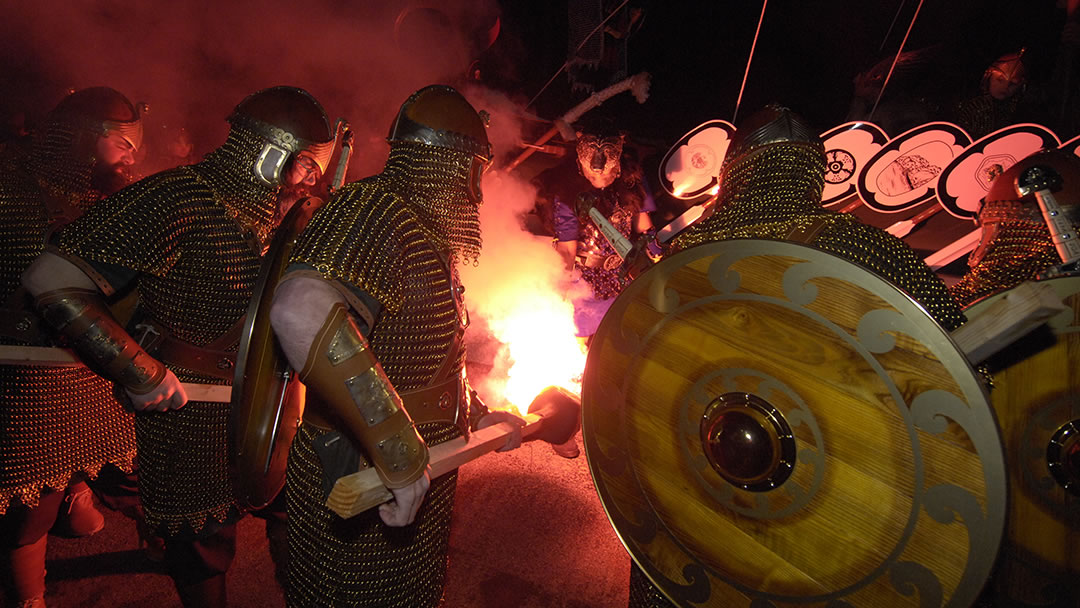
<point>192,62</point>
<point>520,298</point>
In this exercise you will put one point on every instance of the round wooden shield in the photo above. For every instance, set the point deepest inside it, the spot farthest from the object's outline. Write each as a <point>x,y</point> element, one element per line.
<point>771,425</point>
<point>267,399</point>
<point>1037,398</point>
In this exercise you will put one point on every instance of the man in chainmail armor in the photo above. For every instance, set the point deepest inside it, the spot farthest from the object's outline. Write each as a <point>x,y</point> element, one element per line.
<point>371,311</point>
<point>57,424</point>
<point>1015,244</point>
<point>771,188</point>
<point>191,239</point>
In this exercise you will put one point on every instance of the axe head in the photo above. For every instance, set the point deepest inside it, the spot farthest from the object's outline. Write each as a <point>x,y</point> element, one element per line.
<point>561,413</point>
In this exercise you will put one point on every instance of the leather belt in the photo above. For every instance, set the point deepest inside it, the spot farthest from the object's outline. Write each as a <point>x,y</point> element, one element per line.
<point>211,360</point>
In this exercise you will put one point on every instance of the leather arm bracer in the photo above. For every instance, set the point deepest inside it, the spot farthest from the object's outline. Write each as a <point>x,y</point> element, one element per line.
<point>348,379</point>
<point>82,317</point>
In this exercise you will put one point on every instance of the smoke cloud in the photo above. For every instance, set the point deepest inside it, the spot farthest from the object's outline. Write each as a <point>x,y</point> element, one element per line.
<point>193,61</point>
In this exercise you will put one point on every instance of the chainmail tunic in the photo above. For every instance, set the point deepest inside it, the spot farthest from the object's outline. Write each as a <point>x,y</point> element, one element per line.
<point>390,236</point>
<point>983,114</point>
<point>55,422</point>
<point>777,188</point>
<point>191,239</point>
<point>605,282</point>
<point>1018,249</point>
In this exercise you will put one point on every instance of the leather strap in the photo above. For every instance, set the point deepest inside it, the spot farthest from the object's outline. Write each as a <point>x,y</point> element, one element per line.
<point>211,360</point>
<point>437,402</point>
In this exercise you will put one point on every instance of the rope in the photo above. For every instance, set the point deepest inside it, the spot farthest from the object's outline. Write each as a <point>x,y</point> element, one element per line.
<point>895,59</point>
<point>748,60</point>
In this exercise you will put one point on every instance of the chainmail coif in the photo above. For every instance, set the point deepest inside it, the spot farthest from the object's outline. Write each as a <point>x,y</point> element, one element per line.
<point>769,191</point>
<point>1019,248</point>
<point>251,203</point>
<point>62,164</point>
<point>435,181</point>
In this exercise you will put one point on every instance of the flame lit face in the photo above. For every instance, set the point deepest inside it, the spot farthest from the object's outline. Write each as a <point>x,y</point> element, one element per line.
<point>113,154</point>
<point>298,177</point>
<point>114,151</point>
<point>302,170</point>
<point>598,159</point>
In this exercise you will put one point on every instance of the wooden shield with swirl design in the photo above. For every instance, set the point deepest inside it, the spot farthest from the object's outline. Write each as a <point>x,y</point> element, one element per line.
<point>1037,399</point>
<point>771,425</point>
<point>267,399</point>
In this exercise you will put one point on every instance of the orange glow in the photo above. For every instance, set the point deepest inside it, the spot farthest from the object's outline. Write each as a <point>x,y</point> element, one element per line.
<point>538,340</point>
<point>520,297</point>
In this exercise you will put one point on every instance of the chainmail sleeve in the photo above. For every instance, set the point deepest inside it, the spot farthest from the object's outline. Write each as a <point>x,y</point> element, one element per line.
<point>141,228</point>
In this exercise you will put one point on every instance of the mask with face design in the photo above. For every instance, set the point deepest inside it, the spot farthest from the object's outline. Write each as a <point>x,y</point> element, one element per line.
<point>598,158</point>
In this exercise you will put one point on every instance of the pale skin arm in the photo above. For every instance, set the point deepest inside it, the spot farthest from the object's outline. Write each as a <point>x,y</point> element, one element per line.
<point>299,309</point>
<point>642,223</point>
<point>568,251</point>
<point>50,272</point>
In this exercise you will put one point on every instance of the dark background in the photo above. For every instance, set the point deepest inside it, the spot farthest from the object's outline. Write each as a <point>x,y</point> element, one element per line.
<point>806,56</point>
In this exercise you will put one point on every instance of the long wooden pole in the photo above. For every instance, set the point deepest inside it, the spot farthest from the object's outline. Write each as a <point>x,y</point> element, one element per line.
<point>61,357</point>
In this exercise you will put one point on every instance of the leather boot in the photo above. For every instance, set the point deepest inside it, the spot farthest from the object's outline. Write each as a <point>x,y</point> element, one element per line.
<point>78,516</point>
<point>208,593</point>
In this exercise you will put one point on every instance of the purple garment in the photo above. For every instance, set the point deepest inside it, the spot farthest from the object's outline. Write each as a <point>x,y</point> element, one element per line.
<point>566,223</point>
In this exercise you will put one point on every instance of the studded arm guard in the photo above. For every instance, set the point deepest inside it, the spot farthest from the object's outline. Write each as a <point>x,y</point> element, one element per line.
<point>348,379</point>
<point>81,316</point>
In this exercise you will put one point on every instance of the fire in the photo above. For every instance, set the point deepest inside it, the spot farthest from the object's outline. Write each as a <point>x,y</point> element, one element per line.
<point>539,344</point>
<point>519,294</point>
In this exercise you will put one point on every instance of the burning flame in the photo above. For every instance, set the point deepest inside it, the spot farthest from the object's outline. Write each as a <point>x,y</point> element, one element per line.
<point>539,344</point>
<point>520,292</point>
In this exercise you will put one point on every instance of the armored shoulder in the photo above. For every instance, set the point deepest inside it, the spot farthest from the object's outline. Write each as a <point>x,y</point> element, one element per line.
<point>141,226</point>
<point>361,237</point>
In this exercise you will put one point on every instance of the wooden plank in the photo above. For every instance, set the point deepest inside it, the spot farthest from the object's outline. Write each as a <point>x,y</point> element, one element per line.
<point>62,357</point>
<point>360,491</point>
<point>1026,307</point>
<point>954,250</point>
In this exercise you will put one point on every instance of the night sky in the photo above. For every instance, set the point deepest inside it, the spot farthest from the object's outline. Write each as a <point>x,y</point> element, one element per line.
<point>193,63</point>
<point>806,56</point>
